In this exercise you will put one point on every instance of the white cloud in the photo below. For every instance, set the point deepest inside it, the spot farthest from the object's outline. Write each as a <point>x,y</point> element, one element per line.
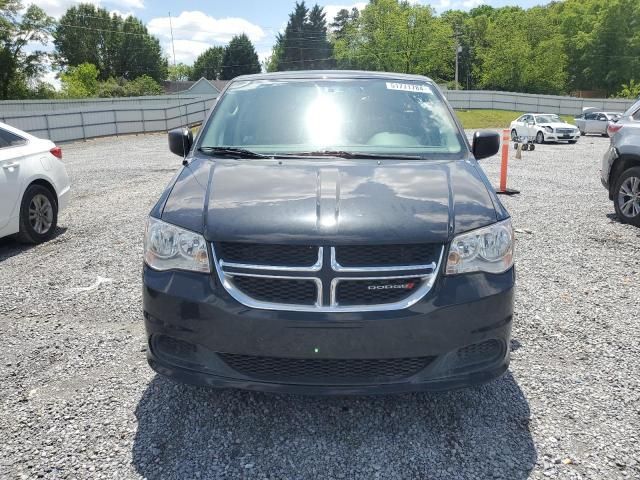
<point>186,50</point>
<point>56,8</point>
<point>332,10</point>
<point>469,4</point>
<point>121,14</point>
<point>263,55</point>
<point>195,31</point>
<point>444,5</point>
<point>137,4</point>
<point>50,78</point>
<point>200,27</point>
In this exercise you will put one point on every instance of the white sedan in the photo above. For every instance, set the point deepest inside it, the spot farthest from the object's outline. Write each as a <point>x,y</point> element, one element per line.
<point>34,185</point>
<point>543,127</point>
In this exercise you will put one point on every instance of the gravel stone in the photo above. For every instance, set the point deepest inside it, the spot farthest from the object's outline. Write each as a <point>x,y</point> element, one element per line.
<point>77,399</point>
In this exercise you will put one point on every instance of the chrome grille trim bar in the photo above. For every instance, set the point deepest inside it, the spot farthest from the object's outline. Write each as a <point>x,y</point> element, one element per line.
<point>427,282</point>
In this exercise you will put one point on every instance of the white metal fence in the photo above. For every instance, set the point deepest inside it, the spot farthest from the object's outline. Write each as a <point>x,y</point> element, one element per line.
<point>15,106</point>
<point>68,120</point>
<point>98,120</point>
<point>527,102</point>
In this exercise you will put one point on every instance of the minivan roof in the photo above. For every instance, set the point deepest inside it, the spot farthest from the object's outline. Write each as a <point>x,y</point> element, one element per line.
<point>305,74</point>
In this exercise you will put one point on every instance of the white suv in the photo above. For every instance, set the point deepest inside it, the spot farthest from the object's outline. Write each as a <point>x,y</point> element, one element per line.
<point>34,185</point>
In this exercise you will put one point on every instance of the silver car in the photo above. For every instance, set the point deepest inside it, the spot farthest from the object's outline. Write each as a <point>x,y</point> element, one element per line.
<point>596,122</point>
<point>620,172</point>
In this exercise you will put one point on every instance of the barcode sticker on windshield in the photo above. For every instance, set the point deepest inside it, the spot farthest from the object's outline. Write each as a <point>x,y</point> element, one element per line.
<point>408,87</point>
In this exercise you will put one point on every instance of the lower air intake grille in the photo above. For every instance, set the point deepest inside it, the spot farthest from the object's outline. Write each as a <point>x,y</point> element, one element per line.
<point>478,353</point>
<point>374,292</point>
<point>386,255</point>
<point>268,254</point>
<point>278,290</point>
<point>319,369</point>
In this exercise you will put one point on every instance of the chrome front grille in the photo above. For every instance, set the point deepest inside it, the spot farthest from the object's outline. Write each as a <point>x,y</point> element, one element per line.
<point>327,278</point>
<point>564,131</point>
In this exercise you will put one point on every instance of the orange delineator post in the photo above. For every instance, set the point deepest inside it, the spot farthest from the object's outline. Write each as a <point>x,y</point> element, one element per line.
<point>506,138</point>
<point>505,160</point>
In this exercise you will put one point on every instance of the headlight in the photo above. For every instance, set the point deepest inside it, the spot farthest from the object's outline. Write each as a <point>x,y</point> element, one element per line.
<point>549,129</point>
<point>167,247</point>
<point>487,249</point>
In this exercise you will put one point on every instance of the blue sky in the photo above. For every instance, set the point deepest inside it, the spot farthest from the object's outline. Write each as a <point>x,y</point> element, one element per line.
<point>198,24</point>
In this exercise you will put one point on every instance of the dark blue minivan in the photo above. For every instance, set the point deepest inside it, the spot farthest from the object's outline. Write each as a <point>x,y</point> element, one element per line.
<point>330,233</point>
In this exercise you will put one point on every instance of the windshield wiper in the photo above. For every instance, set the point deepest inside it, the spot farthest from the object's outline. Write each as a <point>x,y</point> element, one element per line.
<point>244,153</point>
<point>356,155</point>
<point>232,152</point>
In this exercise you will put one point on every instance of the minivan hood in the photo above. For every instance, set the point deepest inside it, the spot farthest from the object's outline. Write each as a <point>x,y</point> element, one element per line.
<point>337,201</point>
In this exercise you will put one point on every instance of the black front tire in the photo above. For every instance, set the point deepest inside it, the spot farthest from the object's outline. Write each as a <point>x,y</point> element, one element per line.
<point>624,218</point>
<point>540,138</point>
<point>27,233</point>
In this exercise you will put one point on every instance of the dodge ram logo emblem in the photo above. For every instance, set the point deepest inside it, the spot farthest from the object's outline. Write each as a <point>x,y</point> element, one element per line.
<point>391,286</point>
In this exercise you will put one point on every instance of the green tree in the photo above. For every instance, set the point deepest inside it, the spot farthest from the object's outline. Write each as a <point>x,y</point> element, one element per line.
<point>629,90</point>
<point>515,55</point>
<point>80,81</point>
<point>19,65</point>
<point>118,47</point>
<point>179,72</point>
<point>304,44</point>
<point>138,53</point>
<point>240,58</point>
<point>396,36</point>
<point>142,85</point>
<point>139,86</point>
<point>342,21</point>
<point>208,64</point>
<point>320,50</point>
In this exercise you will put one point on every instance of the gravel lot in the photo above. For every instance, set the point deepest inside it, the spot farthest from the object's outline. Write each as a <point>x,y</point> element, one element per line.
<point>77,399</point>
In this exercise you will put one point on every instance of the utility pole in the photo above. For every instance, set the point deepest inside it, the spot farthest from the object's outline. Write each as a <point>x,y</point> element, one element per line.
<point>456,36</point>
<point>457,51</point>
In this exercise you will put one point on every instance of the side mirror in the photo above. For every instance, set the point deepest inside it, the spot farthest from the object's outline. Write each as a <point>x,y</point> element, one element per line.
<point>485,144</point>
<point>180,141</point>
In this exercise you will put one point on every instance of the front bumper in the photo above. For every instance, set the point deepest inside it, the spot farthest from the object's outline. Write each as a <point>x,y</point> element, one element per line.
<point>63,198</point>
<point>608,159</point>
<point>561,137</point>
<point>195,311</point>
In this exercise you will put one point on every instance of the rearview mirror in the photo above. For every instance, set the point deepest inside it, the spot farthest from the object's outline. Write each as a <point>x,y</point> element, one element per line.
<point>485,144</point>
<point>180,141</point>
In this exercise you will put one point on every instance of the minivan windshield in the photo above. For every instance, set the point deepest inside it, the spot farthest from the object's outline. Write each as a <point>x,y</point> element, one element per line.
<point>357,115</point>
